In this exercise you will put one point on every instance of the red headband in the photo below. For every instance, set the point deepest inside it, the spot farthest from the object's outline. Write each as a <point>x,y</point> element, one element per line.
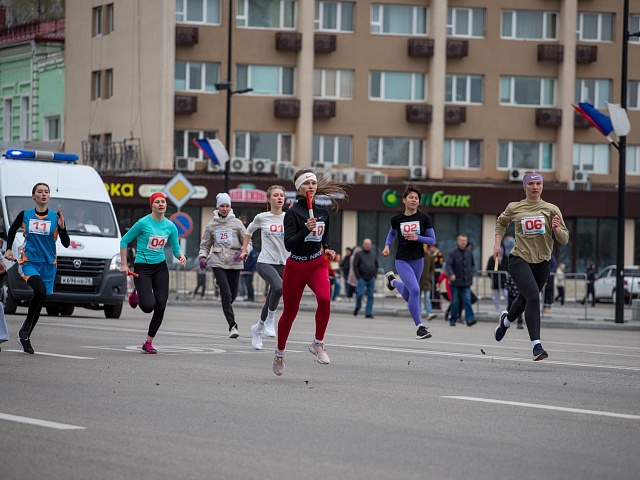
<point>156,195</point>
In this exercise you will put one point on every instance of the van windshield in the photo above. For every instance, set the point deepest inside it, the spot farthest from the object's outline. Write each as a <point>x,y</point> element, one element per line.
<point>92,219</point>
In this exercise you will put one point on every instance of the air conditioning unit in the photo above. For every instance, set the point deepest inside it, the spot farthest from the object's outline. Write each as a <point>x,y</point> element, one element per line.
<point>419,172</point>
<point>239,165</point>
<point>322,165</point>
<point>285,170</point>
<point>516,174</point>
<point>454,115</point>
<point>345,175</point>
<point>580,176</point>
<point>261,165</point>
<point>185,164</point>
<point>213,168</point>
<point>376,178</point>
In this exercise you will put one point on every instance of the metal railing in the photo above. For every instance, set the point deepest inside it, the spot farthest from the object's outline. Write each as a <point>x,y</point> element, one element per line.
<point>125,156</point>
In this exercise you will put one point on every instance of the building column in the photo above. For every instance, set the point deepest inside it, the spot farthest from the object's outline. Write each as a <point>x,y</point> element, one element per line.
<point>437,76</point>
<point>306,59</point>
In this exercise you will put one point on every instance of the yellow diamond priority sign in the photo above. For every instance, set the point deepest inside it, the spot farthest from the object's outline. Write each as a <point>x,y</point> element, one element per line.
<point>179,190</point>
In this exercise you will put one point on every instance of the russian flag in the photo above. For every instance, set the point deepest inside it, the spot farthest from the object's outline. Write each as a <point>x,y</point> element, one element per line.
<point>213,149</point>
<point>595,117</point>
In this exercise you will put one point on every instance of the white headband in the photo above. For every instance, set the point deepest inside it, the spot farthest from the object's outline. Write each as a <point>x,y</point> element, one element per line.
<point>305,177</point>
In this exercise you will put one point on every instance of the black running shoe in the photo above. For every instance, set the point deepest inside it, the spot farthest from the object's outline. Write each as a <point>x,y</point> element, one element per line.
<point>390,278</point>
<point>26,346</point>
<point>501,330</point>
<point>422,333</point>
<point>539,353</point>
<point>23,334</point>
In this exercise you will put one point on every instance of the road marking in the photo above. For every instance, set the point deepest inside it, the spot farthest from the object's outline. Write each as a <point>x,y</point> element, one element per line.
<point>39,423</point>
<point>75,357</point>
<point>546,407</point>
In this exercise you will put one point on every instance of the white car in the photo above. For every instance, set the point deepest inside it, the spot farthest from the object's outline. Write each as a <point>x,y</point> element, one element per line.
<point>605,284</point>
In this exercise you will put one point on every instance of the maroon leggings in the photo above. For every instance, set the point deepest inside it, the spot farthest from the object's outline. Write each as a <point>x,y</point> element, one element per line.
<point>296,276</point>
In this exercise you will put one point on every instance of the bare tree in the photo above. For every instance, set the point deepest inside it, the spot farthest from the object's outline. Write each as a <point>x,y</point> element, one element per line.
<point>20,12</point>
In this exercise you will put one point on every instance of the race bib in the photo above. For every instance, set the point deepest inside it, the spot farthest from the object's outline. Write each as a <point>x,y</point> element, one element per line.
<point>156,242</point>
<point>409,228</point>
<point>533,225</point>
<point>316,235</point>
<point>40,227</point>
<point>274,230</point>
<point>224,236</point>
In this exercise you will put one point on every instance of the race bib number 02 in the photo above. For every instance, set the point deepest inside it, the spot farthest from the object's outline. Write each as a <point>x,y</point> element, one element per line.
<point>316,235</point>
<point>410,228</point>
<point>40,227</point>
<point>156,242</point>
<point>533,225</point>
<point>224,236</point>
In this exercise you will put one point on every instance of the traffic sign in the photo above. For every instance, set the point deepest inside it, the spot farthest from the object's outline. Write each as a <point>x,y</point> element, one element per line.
<point>179,190</point>
<point>183,222</point>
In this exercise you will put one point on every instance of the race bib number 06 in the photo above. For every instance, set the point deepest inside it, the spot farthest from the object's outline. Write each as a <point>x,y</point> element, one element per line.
<point>533,225</point>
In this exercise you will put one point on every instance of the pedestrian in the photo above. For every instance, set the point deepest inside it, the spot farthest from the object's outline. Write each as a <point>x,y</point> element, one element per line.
<point>560,282</point>
<point>498,279</point>
<point>345,265</point>
<point>307,236</point>
<point>591,280</point>
<point>549,287</point>
<point>152,232</point>
<point>365,266</point>
<point>271,261</point>
<point>426,281</point>
<point>438,259</point>
<point>536,224</point>
<point>222,241</point>
<point>444,287</point>
<point>461,267</point>
<point>201,279</point>
<point>37,262</point>
<point>413,229</point>
<point>352,280</point>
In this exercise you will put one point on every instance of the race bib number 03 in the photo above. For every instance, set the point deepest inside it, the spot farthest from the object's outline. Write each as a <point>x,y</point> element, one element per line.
<point>410,228</point>
<point>533,225</point>
<point>40,227</point>
<point>224,236</point>
<point>156,243</point>
<point>316,235</point>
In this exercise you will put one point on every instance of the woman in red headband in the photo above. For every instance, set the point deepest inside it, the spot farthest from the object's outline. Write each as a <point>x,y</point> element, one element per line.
<point>153,232</point>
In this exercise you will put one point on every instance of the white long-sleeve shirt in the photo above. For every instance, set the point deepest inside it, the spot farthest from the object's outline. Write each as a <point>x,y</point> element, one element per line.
<point>272,231</point>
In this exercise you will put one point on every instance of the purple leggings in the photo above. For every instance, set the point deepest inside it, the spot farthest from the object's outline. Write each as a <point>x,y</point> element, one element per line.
<point>410,271</point>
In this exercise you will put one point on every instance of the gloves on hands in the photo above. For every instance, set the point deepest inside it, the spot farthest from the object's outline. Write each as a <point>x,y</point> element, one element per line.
<point>238,256</point>
<point>203,262</point>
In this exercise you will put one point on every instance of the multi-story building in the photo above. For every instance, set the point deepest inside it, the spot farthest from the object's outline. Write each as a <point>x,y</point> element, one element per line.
<point>459,96</point>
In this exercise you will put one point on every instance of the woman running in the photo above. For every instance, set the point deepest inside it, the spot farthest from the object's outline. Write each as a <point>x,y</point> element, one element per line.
<point>271,260</point>
<point>413,229</point>
<point>37,263</point>
<point>151,279</point>
<point>223,238</point>
<point>529,261</point>
<point>307,238</point>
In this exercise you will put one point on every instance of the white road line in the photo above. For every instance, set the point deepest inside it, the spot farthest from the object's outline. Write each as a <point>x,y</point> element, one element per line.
<point>39,423</point>
<point>546,407</point>
<point>75,357</point>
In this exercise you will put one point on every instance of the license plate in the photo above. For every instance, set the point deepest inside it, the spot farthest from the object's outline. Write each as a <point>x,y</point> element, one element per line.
<point>76,280</point>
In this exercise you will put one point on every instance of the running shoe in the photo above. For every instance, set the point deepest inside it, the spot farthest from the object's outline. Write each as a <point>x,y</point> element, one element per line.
<point>355,311</point>
<point>501,330</point>
<point>539,353</point>
<point>23,334</point>
<point>133,299</point>
<point>369,316</point>
<point>148,348</point>
<point>472,323</point>
<point>26,346</point>
<point>318,350</point>
<point>278,364</point>
<point>233,332</point>
<point>256,336</point>
<point>422,333</point>
<point>269,328</point>
<point>431,316</point>
<point>390,278</point>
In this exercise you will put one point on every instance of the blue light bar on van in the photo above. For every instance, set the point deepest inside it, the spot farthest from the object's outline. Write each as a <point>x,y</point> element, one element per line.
<point>41,155</point>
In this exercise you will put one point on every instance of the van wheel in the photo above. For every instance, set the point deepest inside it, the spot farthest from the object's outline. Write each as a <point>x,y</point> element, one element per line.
<point>112,311</point>
<point>54,310</point>
<point>67,310</point>
<point>8,302</point>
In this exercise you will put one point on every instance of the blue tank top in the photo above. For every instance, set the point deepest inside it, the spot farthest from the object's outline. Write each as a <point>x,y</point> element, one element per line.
<point>41,233</point>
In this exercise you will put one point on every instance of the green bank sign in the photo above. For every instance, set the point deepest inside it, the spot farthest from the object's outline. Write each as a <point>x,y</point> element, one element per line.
<point>391,198</point>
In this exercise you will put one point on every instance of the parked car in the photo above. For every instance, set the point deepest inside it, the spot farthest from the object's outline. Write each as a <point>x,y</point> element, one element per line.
<point>605,284</point>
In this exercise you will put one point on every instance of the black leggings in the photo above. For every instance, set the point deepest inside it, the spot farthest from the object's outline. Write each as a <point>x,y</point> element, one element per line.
<point>152,284</point>
<point>35,305</point>
<point>227,280</point>
<point>529,278</point>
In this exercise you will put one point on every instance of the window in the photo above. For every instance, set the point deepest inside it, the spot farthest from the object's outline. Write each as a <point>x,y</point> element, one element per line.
<point>395,152</point>
<point>7,115</point>
<point>465,22</point>
<point>464,88</point>
<point>595,27</point>
<point>108,87</point>
<point>96,85</point>
<point>633,94</point>
<point>634,26</point>
<point>196,77</point>
<point>531,155</point>
<point>399,19</point>
<point>276,146</point>
<point>403,86</point>
<point>110,19</point>
<point>633,159</point>
<point>594,91</point>
<point>97,21</point>
<point>330,83</point>
<point>265,79</point>
<point>332,149</point>
<point>591,157</point>
<point>198,11</point>
<point>183,142</point>
<point>279,14</point>
<point>532,91</point>
<point>25,118</point>
<point>52,128</point>
<point>462,154</point>
<point>334,16</point>
<point>529,25</point>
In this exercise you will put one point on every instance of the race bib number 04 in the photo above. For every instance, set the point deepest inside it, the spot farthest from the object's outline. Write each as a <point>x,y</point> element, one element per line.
<point>533,225</point>
<point>156,243</point>
<point>40,227</point>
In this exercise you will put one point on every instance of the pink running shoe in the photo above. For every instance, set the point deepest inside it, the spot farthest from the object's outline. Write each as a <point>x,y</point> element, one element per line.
<point>148,348</point>
<point>133,299</point>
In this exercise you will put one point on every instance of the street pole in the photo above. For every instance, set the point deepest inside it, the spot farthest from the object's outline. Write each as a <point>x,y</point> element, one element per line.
<point>227,133</point>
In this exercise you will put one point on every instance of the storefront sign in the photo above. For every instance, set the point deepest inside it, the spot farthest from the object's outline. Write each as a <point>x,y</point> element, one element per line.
<point>391,198</point>
<point>248,193</point>
<point>120,189</point>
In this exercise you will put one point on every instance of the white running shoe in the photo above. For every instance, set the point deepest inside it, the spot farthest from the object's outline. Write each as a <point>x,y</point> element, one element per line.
<point>233,333</point>
<point>278,364</point>
<point>318,350</point>
<point>269,328</point>
<point>256,336</point>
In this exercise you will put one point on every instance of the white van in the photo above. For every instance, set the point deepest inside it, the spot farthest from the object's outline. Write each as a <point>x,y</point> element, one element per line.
<point>88,273</point>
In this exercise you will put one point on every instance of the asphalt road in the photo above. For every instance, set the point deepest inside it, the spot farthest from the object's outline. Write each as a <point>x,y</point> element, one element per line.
<point>456,406</point>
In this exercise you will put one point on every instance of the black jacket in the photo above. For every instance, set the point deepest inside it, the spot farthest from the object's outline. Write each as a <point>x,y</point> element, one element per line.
<point>365,264</point>
<point>297,235</point>
<point>460,263</point>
